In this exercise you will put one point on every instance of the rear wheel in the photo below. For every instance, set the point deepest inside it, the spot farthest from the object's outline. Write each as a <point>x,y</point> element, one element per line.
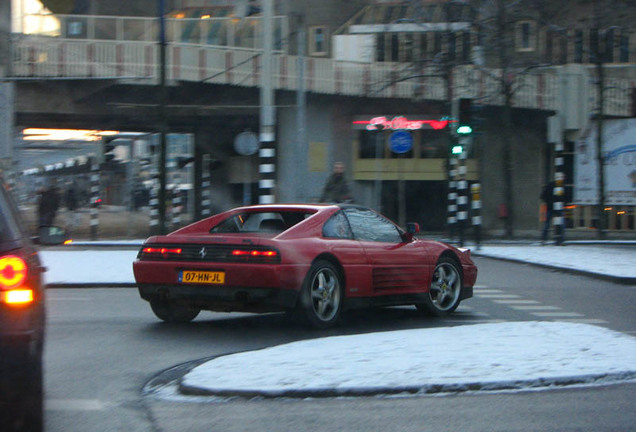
<point>171,312</point>
<point>322,293</point>
<point>445,291</point>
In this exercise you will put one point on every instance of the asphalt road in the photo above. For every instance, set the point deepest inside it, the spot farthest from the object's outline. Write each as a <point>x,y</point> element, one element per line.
<point>104,345</point>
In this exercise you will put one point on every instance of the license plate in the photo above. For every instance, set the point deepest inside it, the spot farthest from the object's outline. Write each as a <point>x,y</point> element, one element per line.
<point>202,277</point>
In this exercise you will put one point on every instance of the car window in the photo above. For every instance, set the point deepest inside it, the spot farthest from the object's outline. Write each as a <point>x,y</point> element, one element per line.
<point>259,222</point>
<point>337,227</point>
<point>368,225</point>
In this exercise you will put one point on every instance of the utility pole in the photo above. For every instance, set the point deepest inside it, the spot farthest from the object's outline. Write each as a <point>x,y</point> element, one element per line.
<point>162,119</point>
<point>267,152</point>
<point>301,113</point>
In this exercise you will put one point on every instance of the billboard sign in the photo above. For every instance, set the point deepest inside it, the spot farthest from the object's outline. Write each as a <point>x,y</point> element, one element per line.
<point>619,153</point>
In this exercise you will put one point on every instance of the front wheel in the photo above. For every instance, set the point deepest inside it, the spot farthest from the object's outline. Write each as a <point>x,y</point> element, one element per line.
<point>446,288</point>
<point>173,313</point>
<point>322,293</point>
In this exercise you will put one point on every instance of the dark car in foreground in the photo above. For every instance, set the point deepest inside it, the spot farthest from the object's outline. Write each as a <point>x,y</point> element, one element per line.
<point>313,261</point>
<point>21,324</point>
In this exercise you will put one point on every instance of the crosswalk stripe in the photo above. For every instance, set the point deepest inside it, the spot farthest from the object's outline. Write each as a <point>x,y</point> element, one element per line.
<point>75,405</point>
<point>557,314</point>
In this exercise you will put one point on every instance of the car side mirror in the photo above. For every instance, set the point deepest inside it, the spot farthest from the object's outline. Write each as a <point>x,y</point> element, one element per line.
<point>412,228</point>
<point>50,236</point>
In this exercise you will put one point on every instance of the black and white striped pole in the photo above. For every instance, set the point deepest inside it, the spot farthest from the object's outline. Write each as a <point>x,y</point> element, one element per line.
<point>452,197</point>
<point>462,196</point>
<point>205,186</point>
<point>267,152</point>
<point>176,201</point>
<point>154,207</point>
<point>475,191</point>
<point>559,195</point>
<point>95,189</point>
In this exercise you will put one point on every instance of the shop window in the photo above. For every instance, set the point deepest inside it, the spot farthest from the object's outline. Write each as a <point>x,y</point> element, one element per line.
<point>526,36</point>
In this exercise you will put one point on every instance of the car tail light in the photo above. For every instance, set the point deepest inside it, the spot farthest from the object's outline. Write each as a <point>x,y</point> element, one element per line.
<point>13,274</point>
<point>256,255</point>
<point>162,251</point>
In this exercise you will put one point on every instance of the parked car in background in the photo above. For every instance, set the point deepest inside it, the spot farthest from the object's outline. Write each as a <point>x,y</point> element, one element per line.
<point>22,320</point>
<point>313,261</point>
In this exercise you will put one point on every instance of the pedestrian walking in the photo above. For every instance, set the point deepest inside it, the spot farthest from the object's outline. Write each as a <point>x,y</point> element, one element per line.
<point>547,196</point>
<point>71,205</point>
<point>48,205</point>
<point>336,189</point>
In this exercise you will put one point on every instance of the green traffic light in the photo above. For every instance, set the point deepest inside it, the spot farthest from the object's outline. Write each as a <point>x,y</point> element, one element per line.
<point>464,130</point>
<point>457,149</point>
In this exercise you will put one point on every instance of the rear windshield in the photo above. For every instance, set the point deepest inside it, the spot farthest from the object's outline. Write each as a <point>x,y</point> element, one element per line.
<point>9,228</point>
<point>265,222</point>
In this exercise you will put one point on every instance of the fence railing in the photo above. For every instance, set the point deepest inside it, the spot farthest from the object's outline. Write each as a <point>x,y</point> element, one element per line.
<point>218,31</point>
<point>57,57</point>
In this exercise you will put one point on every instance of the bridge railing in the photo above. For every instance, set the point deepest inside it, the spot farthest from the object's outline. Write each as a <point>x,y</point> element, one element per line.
<point>56,57</point>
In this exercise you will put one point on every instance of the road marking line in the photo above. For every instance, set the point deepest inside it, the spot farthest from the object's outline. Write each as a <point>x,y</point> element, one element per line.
<point>514,302</point>
<point>488,291</point>
<point>498,296</point>
<point>558,314</point>
<point>536,308</point>
<point>75,405</point>
<point>585,321</point>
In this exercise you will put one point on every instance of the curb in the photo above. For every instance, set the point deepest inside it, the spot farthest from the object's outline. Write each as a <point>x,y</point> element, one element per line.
<point>623,280</point>
<point>556,382</point>
<point>175,374</point>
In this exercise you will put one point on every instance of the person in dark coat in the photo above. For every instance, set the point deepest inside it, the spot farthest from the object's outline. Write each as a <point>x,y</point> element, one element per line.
<point>71,205</point>
<point>547,196</point>
<point>49,203</point>
<point>336,189</point>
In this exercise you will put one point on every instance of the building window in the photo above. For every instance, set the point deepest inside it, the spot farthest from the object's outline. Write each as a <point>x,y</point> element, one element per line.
<point>318,40</point>
<point>465,47</point>
<point>608,54</point>
<point>395,47</point>
<point>526,36</point>
<point>578,47</point>
<point>624,48</point>
<point>379,48</point>
<point>409,47</point>
<point>594,46</point>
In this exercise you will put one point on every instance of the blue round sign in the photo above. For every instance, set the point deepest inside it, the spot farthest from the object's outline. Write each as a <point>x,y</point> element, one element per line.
<point>400,141</point>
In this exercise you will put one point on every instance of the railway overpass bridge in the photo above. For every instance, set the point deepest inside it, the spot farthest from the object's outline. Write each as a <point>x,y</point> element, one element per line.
<point>108,79</point>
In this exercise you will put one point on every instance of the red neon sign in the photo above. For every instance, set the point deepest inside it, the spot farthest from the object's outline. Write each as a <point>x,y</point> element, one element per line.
<point>401,122</point>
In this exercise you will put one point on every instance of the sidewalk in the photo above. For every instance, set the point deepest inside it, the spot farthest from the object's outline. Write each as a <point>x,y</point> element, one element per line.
<point>109,263</point>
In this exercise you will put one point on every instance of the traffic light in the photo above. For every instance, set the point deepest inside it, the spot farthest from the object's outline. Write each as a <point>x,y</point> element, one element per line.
<point>457,149</point>
<point>465,120</point>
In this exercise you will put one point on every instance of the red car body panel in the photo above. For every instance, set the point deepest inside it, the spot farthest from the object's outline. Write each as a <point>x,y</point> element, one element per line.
<point>371,270</point>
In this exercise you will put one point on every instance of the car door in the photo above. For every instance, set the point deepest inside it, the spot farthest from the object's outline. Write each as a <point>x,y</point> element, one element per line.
<point>396,266</point>
<point>350,254</point>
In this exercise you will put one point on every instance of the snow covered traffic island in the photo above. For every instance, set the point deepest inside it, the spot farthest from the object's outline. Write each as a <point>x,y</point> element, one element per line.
<point>494,356</point>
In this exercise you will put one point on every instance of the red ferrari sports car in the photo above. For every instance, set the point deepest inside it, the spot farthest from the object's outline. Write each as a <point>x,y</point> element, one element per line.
<point>310,260</point>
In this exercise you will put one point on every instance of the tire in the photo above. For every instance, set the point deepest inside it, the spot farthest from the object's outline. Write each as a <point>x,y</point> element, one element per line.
<point>173,313</point>
<point>322,295</point>
<point>445,291</point>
